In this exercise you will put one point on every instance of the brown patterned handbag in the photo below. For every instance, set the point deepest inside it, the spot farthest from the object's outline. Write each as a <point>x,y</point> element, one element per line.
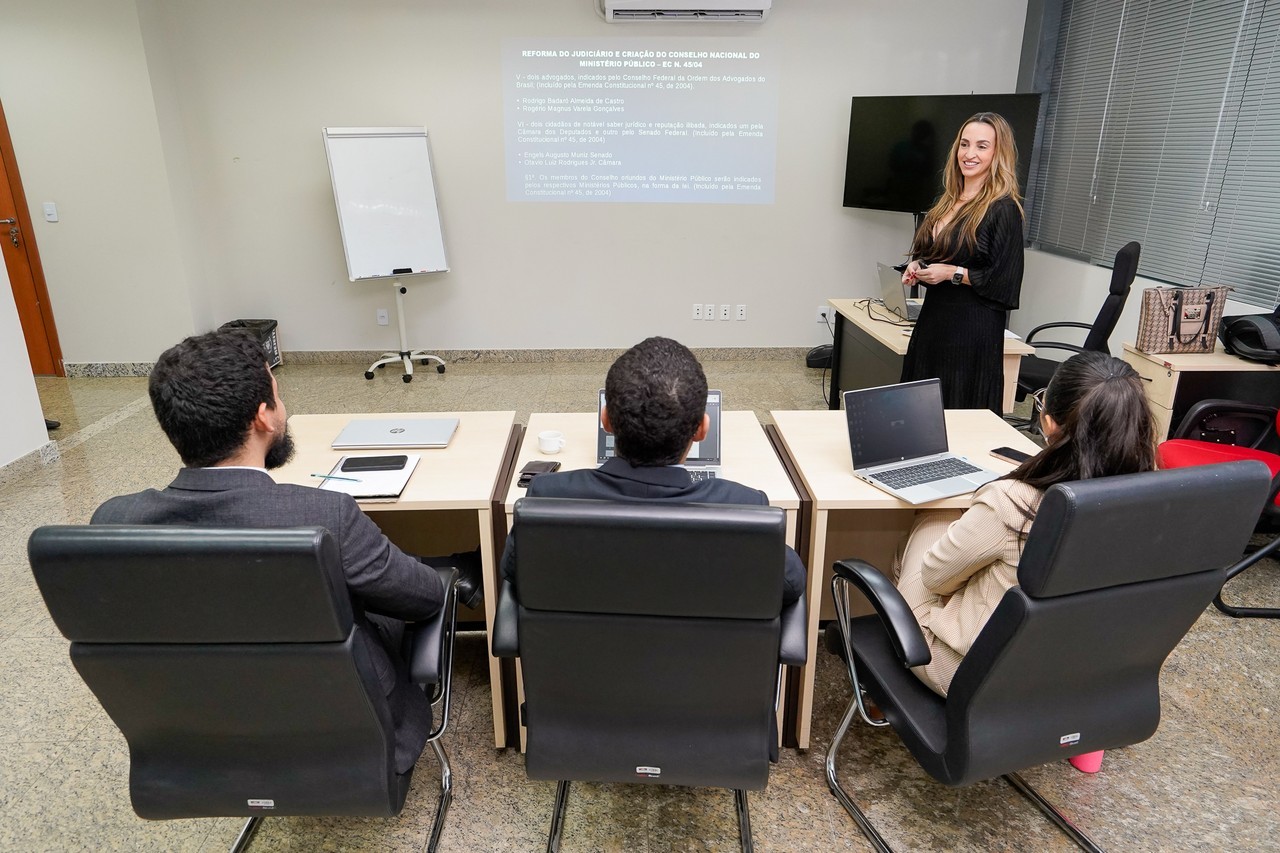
<point>1180,319</point>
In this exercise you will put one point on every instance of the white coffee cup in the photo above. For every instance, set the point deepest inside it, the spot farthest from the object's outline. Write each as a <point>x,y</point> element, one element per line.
<point>550,441</point>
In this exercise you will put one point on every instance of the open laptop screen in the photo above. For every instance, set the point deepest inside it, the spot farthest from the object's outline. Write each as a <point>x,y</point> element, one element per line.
<point>896,422</point>
<point>705,452</point>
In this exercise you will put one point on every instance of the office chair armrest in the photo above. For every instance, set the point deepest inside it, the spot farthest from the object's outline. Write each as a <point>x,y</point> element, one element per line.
<point>428,656</point>
<point>506,624</point>
<point>1205,409</point>
<point>903,629</point>
<point>1057,345</point>
<point>794,647</point>
<point>1065,324</point>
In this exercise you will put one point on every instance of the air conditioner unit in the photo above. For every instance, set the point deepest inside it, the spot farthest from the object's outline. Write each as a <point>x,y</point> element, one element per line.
<point>713,11</point>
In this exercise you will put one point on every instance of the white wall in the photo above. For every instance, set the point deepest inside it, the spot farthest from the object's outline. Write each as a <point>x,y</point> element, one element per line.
<point>210,114</point>
<point>77,95</point>
<point>22,425</point>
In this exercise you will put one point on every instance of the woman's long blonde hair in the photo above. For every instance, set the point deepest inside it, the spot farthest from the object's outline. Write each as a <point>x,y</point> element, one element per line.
<point>1002,181</point>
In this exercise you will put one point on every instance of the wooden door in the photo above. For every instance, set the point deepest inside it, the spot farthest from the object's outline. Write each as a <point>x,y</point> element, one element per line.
<point>22,261</point>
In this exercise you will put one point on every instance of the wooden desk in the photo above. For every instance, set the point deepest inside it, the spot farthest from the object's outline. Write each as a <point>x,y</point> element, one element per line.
<point>747,455</point>
<point>850,518</point>
<point>868,350</point>
<point>1176,382</point>
<point>456,484</point>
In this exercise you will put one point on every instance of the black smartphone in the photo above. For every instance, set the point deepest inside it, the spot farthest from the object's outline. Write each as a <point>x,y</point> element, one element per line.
<point>375,463</point>
<point>533,469</point>
<point>1008,454</point>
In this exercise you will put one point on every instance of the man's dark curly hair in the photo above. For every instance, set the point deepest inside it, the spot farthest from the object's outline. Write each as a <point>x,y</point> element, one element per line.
<point>206,391</point>
<point>656,395</point>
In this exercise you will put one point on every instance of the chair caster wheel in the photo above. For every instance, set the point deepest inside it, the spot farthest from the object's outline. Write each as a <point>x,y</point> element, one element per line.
<point>439,368</point>
<point>408,377</point>
<point>368,374</point>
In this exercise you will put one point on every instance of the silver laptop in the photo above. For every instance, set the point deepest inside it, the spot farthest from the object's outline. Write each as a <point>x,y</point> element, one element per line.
<point>898,437</point>
<point>894,294</point>
<point>396,432</point>
<point>703,461</point>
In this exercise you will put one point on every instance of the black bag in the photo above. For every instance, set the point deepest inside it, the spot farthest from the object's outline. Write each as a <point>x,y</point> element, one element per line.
<point>1252,336</point>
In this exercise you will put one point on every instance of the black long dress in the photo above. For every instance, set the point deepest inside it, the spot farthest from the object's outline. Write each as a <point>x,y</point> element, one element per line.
<point>959,336</point>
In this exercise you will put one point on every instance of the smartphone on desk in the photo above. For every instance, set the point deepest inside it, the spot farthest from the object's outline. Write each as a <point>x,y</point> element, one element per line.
<point>374,463</point>
<point>1008,454</point>
<point>533,469</point>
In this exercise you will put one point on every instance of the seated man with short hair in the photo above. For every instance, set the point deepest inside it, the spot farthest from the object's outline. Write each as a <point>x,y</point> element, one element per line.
<point>655,406</point>
<point>218,403</point>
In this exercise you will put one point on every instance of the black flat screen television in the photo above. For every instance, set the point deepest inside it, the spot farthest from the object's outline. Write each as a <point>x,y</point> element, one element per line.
<point>898,145</point>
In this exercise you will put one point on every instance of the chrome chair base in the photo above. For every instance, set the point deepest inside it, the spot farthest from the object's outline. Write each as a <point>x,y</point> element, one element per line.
<point>1237,612</point>
<point>877,841</point>
<point>562,800</point>
<point>446,796</point>
<point>247,832</point>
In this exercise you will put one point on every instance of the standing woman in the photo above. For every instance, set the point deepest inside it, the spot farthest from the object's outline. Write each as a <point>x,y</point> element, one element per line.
<point>968,253</point>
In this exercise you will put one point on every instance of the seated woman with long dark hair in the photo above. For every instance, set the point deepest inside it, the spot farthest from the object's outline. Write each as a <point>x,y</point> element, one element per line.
<point>955,568</point>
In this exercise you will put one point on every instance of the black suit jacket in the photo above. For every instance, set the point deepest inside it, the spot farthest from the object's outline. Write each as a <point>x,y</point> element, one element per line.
<point>381,578</point>
<point>618,479</point>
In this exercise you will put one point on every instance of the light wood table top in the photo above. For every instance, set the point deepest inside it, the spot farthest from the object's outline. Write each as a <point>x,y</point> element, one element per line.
<point>818,442</point>
<point>460,476</point>
<point>1218,360</point>
<point>748,457</point>
<point>890,330</point>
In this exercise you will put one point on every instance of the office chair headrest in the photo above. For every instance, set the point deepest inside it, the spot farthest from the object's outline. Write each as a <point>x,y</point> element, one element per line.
<point>1126,268</point>
<point>111,583</point>
<point>707,560</point>
<point>1094,534</point>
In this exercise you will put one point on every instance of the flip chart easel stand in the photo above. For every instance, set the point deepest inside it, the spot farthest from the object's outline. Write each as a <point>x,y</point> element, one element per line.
<point>405,355</point>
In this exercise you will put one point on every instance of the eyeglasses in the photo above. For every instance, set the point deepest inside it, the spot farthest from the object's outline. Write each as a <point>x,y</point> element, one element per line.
<point>1038,400</point>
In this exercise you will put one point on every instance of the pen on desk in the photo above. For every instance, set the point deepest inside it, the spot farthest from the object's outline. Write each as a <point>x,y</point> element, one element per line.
<point>335,477</point>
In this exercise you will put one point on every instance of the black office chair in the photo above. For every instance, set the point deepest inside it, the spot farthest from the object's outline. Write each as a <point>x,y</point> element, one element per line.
<point>1035,372</point>
<point>1114,573</point>
<point>650,638</point>
<point>230,661</point>
<point>1216,431</point>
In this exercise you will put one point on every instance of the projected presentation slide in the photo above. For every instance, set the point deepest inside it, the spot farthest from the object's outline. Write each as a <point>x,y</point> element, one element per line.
<point>640,120</point>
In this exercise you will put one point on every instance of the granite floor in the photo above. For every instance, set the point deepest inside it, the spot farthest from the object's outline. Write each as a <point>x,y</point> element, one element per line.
<point>1206,780</point>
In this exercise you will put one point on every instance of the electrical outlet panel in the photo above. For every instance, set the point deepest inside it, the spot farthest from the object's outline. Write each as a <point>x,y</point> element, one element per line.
<point>383,318</point>
<point>741,312</point>
<point>823,313</point>
<point>697,310</point>
<point>709,311</point>
<point>724,312</point>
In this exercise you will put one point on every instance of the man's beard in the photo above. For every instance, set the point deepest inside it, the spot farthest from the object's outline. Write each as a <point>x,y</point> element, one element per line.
<point>281,450</point>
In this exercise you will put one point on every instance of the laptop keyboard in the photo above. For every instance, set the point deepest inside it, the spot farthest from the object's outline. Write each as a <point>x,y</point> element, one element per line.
<point>697,474</point>
<point>926,472</point>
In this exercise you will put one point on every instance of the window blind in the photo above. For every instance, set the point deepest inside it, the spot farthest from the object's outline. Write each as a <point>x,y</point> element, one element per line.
<point>1163,126</point>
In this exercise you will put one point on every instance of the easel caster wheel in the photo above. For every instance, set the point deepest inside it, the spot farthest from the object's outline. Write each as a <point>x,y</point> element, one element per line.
<point>439,368</point>
<point>368,374</point>
<point>408,377</point>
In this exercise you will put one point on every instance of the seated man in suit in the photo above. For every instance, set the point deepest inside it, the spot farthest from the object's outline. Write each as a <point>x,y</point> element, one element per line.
<point>218,403</point>
<point>655,406</point>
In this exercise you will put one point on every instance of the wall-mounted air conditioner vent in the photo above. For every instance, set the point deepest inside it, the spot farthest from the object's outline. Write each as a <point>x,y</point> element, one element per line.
<point>712,11</point>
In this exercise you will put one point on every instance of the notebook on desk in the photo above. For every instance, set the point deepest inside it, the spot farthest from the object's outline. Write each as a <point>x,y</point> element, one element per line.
<point>894,295</point>
<point>398,432</point>
<point>898,438</point>
<point>703,461</point>
<point>371,486</point>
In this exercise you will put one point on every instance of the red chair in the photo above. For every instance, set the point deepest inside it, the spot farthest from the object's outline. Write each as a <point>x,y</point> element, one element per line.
<point>1229,431</point>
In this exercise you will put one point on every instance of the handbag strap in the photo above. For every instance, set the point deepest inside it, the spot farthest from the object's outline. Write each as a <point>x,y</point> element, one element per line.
<point>1175,330</point>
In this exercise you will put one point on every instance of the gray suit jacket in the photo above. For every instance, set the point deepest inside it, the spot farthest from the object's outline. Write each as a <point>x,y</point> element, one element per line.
<point>619,480</point>
<point>381,578</point>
